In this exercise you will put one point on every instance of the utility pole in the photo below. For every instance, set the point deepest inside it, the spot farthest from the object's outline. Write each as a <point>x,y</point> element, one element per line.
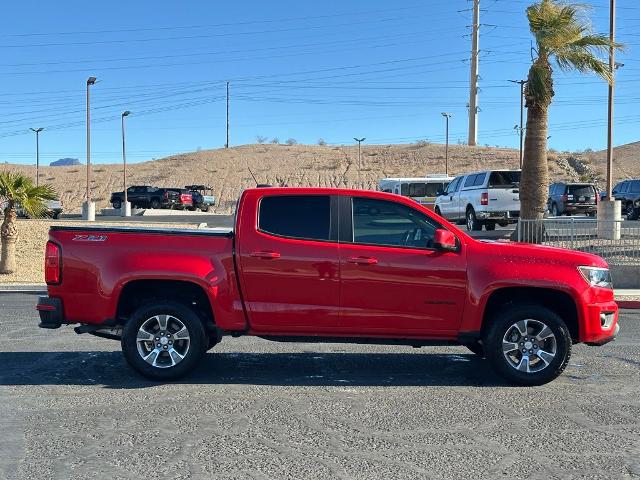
<point>226,145</point>
<point>473,77</point>
<point>37,130</point>
<point>89,212</point>
<point>359,140</point>
<point>521,127</point>
<point>612,68</point>
<point>447,116</point>
<point>125,210</point>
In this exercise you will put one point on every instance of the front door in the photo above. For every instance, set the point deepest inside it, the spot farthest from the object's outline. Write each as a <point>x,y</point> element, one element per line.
<point>393,280</point>
<point>289,264</point>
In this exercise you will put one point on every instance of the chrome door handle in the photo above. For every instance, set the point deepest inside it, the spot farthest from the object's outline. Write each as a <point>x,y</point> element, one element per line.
<point>362,260</point>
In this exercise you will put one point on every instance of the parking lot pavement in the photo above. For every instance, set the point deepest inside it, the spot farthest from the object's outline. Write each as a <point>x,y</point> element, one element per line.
<point>71,408</point>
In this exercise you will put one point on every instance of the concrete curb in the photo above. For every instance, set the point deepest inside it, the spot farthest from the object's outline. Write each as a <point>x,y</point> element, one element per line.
<point>32,288</point>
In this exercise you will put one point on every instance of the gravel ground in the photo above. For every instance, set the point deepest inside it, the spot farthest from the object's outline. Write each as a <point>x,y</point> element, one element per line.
<point>70,408</point>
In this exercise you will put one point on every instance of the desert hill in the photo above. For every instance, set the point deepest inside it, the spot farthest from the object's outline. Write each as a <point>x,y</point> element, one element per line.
<point>227,170</point>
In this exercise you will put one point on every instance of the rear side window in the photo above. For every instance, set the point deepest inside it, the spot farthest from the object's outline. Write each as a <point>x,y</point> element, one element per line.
<point>504,179</point>
<point>479,179</point>
<point>470,181</point>
<point>296,216</point>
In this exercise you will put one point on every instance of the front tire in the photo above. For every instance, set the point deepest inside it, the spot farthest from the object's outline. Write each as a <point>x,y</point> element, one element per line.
<point>528,344</point>
<point>155,204</point>
<point>163,340</point>
<point>489,226</point>
<point>554,210</point>
<point>116,204</point>
<point>437,210</point>
<point>632,213</point>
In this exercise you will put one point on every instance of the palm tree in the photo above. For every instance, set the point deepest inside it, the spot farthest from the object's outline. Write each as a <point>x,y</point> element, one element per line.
<point>18,189</point>
<point>563,34</point>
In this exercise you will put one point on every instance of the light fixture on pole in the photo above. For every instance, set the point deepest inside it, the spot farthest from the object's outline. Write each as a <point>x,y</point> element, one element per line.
<point>447,116</point>
<point>89,208</point>
<point>126,207</point>
<point>37,130</point>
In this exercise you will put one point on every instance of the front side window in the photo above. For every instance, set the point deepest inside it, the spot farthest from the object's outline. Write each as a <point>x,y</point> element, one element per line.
<point>635,187</point>
<point>454,185</point>
<point>383,223</point>
<point>296,216</point>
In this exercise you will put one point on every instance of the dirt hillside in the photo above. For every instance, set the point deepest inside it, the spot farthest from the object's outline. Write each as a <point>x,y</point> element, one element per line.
<point>227,170</point>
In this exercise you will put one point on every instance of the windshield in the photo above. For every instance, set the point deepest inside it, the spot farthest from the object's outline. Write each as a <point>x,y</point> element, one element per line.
<point>504,179</point>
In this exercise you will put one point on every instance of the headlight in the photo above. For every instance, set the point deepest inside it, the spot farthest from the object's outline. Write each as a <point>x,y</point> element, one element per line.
<point>597,276</point>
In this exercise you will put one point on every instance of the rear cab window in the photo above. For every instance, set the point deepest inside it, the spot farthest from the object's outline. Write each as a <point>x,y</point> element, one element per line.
<point>304,217</point>
<point>506,179</point>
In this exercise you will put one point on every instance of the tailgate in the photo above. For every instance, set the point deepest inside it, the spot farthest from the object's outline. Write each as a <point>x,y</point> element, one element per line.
<point>504,199</point>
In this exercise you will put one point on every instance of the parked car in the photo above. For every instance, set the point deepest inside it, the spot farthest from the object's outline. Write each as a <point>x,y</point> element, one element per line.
<point>628,192</point>
<point>202,195</point>
<point>482,198</point>
<point>184,198</point>
<point>572,198</point>
<point>145,196</point>
<point>327,265</point>
<point>53,209</point>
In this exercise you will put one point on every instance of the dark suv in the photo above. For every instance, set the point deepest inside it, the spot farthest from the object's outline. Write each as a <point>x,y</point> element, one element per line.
<point>628,192</point>
<point>146,197</point>
<point>572,198</point>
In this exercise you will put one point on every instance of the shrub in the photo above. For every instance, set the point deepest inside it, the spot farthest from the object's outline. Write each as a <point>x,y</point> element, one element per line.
<point>321,142</point>
<point>291,141</point>
<point>275,141</point>
<point>423,142</point>
<point>260,139</point>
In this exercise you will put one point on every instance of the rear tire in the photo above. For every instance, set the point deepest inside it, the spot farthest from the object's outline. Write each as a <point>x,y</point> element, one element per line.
<point>437,210</point>
<point>490,226</point>
<point>632,213</point>
<point>540,332</point>
<point>471,220</point>
<point>204,208</point>
<point>117,204</point>
<point>476,348</point>
<point>163,340</point>
<point>155,203</point>
<point>554,210</point>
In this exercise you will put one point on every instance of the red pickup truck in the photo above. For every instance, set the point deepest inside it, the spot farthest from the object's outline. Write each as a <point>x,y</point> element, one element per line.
<point>327,265</point>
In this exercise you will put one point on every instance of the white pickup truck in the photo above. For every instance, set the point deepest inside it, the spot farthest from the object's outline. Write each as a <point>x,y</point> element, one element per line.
<point>53,209</point>
<point>482,198</point>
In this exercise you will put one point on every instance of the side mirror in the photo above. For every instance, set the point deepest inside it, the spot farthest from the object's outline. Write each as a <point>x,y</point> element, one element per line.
<point>445,240</point>
<point>439,193</point>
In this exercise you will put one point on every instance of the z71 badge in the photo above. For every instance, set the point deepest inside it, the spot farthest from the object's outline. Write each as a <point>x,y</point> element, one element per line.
<point>89,238</point>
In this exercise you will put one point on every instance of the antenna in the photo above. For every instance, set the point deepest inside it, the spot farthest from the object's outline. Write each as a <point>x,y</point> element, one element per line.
<point>254,177</point>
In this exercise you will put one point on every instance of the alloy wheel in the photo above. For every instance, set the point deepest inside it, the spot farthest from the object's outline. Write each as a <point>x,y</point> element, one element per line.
<point>529,346</point>
<point>163,341</point>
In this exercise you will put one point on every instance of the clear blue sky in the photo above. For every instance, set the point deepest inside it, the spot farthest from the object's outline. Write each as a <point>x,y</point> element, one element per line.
<point>305,70</point>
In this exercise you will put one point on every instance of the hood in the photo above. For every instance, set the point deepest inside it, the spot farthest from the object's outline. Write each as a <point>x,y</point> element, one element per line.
<point>532,253</point>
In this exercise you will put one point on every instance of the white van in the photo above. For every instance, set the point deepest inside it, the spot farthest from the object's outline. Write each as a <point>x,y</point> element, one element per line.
<point>482,198</point>
<point>423,190</point>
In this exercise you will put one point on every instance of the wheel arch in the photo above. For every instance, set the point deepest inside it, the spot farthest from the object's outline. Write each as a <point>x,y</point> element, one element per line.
<point>136,292</point>
<point>558,301</point>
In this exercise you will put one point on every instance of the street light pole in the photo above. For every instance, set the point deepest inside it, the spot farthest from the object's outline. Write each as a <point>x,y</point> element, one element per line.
<point>612,68</point>
<point>447,116</point>
<point>359,140</point>
<point>89,212</point>
<point>521,127</point>
<point>37,130</point>
<point>125,208</point>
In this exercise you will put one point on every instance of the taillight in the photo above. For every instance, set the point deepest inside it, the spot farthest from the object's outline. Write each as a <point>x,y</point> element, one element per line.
<point>565,197</point>
<point>484,198</point>
<point>52,264</point>
<point>166,195</point>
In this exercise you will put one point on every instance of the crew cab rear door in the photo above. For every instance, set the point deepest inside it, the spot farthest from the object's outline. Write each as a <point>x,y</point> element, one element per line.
<point>288,257</point>
<point>393,280</point>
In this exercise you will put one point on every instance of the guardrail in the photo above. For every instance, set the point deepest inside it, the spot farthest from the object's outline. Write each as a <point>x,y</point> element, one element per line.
<point>617,241</point>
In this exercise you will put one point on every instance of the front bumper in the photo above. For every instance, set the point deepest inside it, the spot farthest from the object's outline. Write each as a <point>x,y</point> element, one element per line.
<point>51,312</point>
<point>601,323</point>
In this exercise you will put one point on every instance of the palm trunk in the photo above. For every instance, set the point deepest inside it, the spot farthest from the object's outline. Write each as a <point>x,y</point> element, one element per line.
<point>534,184</point>
<point>8,238</point>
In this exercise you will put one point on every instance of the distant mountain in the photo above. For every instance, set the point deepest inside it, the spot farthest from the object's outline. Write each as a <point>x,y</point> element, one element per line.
<point>65,162</point>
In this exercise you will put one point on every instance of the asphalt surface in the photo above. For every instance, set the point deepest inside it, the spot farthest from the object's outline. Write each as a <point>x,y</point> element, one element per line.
<point>71,408</point>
